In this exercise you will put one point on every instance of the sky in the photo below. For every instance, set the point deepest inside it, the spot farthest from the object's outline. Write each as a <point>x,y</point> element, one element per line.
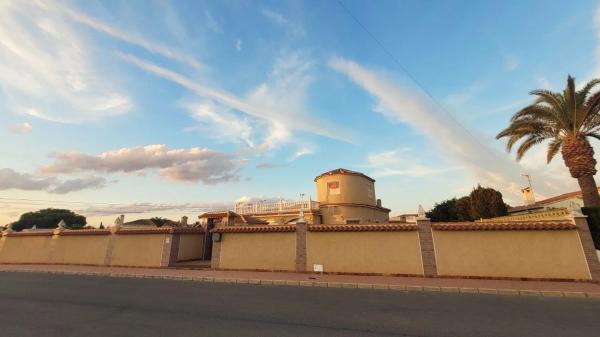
<point>159,108</point>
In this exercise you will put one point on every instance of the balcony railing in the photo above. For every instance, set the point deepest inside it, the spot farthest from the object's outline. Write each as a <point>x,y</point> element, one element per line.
<point>275,207</point>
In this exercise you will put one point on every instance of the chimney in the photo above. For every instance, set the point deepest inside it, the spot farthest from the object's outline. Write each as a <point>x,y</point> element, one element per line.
<point>528,196</point>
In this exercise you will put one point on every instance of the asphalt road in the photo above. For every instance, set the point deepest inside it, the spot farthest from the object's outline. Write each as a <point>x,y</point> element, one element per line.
<point>64,305</point>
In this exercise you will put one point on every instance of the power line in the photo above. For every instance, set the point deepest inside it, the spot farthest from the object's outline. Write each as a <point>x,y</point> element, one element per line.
<point>410,76</point>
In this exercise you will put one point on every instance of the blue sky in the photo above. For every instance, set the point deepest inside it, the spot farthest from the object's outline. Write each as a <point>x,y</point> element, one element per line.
<point>168,107</point>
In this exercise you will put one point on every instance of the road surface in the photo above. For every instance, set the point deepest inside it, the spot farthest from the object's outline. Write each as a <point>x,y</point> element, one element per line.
<point>67,305</point>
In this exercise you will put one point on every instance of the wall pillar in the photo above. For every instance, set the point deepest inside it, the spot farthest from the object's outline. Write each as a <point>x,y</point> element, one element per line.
<point>168,246</point>
<point>427,248</point>
<point>215,259</point>
<point>110,245</point>
<point>301,228</point>
<point>174,249</point>
<point>587,244</point>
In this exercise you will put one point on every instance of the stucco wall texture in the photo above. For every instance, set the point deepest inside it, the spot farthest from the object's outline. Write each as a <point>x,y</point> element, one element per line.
<point>191,247</point>
<point>365,252</point>
<point>525,254</point>
<point>145,250</point>
<point>258,251</point>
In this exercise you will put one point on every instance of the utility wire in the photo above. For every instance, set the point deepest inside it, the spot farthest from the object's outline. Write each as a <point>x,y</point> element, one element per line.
<point>410,75</point>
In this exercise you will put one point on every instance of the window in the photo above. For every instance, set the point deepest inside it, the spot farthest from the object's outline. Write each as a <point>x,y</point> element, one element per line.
<point>352,221</point>
<point>333,187</point>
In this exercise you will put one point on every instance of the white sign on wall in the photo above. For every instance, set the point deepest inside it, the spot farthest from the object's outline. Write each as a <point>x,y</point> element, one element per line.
<point>318,268</point>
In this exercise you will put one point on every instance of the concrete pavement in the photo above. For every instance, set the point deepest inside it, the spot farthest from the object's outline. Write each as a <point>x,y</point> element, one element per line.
<point>505,287</point>
<point>35,304</point>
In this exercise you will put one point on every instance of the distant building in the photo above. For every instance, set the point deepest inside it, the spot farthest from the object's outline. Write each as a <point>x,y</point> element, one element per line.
<point>556,202</point>
<point>405,218</point>
<point>343,197</point>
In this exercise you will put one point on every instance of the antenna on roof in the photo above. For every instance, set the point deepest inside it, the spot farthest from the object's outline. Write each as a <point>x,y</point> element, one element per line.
<point>527,192</point>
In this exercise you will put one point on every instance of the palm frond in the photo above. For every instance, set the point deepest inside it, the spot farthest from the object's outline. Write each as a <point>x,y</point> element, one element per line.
<point>585,91</point>
<point>553,149</point>
<point>527,144</point>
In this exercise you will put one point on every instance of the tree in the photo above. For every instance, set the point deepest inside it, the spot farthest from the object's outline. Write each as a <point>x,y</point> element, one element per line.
<point>486,203</point>
<point>463,209</point>
<point>159,222</point>
<point>443,211</point>
<point>49,218</point>
<point>483,202</point>
<point>567,120</point>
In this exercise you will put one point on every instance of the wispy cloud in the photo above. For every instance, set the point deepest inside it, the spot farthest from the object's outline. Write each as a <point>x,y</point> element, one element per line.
<point>238,45</point>
<point>140,208</point>
<point>457,99</point>
<point>263,166</point>
<point>22,128</point>
<point>219,122</point>
<point>48,70</point>
<point>211,23</point>
<point>294,29</point>
<point>182,165</point>
<point>278,102</point>
<point>11,179</point>
<point>511,62</point>
<point>149,45</point>
<point>453,141</point>
<point>401,162</point>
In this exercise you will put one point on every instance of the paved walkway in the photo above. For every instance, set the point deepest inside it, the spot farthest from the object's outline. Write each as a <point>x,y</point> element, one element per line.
<point>533,288</point>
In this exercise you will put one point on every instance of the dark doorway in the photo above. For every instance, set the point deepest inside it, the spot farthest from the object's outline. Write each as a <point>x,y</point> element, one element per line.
<point>210,224</point>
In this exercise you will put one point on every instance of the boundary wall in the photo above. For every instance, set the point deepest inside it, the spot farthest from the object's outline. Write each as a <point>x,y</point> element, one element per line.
<point>146,247</point>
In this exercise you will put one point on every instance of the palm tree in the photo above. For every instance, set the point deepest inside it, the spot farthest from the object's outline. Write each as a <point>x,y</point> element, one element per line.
<point>567,120</point>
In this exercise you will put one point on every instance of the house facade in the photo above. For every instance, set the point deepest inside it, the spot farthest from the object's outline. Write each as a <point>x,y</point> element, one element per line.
<point>343,197</point>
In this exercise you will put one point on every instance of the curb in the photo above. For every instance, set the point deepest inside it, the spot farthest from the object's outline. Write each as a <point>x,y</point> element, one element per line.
<point>320,284</point>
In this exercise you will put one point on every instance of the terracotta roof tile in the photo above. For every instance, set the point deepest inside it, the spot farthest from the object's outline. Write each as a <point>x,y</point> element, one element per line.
<point>161,230</point>
<point>85,232</point>
<point>344,171</point>
<point>253,229</point>
<point>363,228</point>
<point>482,226</point>
<point>31,233</point>
<point>216,214</point>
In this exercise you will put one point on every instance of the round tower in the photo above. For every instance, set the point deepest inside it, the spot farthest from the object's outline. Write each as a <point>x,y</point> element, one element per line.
<point>348,197</point>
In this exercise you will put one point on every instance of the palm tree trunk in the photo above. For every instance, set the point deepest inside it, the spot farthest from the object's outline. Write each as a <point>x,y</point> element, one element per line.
<point>589,191</point>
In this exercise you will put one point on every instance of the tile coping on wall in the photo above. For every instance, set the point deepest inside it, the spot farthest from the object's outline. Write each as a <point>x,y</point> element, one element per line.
<point>478,226</point>
<point>166,230</point>
<point>321,284</point>
<point>318,228</point>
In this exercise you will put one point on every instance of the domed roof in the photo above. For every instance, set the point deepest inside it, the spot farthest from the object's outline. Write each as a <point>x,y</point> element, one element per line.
<point>343,171</point>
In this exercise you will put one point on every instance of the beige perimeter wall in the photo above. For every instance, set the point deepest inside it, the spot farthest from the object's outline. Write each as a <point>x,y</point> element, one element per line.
<point>144,250</point>
<point>25,249</point>
<point>191,247</point>
<point>124,250</point>
<point>79,249</point>
<point>365,252</point>
<point>258,251</point>
<point>519,253</point>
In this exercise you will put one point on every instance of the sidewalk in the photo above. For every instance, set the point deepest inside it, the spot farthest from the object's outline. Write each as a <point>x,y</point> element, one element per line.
<point>525,288</point>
